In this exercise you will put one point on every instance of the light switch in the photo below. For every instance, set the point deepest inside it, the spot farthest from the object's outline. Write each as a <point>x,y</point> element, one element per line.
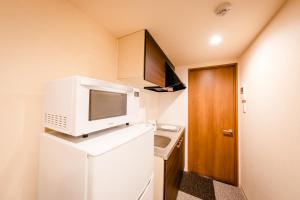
<point>243,98</point>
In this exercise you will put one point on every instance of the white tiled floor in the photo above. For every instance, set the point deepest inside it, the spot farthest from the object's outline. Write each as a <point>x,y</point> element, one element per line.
<point>184,196</point>
<point>227,192</point>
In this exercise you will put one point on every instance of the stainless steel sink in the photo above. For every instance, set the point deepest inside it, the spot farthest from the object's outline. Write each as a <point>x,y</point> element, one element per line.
<point>161,141</point>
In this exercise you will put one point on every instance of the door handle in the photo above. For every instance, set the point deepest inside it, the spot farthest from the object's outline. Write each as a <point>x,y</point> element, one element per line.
<point>228,132</point>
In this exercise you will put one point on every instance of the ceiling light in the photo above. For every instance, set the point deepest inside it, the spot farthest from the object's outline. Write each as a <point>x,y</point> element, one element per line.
<point>215,40</point>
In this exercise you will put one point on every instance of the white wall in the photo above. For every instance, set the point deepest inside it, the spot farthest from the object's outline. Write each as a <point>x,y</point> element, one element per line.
<point>270,130</point>
<point>40,40</point>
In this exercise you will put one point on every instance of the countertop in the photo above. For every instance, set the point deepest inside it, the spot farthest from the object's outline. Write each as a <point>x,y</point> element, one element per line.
<point>174,136</point>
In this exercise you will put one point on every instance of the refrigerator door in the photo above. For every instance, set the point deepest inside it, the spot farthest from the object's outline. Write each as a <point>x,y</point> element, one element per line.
<point>124,171</point>
<point>62,170</point>
<point>148,193</point>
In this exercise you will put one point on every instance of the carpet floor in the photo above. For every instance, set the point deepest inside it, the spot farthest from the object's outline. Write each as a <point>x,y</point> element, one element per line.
<point>194,187</point>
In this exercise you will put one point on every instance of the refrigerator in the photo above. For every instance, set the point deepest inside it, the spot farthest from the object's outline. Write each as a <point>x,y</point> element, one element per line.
<point>116,164</point>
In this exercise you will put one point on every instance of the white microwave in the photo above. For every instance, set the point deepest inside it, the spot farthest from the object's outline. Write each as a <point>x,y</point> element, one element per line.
<point>80,105</point>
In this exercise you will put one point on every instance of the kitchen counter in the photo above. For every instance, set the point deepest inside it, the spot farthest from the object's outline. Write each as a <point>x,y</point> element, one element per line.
<point>174,136</point>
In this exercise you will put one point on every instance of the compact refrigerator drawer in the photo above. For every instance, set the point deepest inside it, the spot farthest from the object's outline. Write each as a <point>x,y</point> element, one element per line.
<point>148,193</point>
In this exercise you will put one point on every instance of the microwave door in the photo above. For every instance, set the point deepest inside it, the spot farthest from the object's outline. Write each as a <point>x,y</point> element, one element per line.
<point>103,104</point>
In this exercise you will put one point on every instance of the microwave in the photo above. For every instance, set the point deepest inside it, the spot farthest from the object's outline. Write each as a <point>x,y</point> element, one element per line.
<point>80,105</point>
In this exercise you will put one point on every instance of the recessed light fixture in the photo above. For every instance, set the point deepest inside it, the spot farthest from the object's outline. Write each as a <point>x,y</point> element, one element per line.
<point>215,40</point>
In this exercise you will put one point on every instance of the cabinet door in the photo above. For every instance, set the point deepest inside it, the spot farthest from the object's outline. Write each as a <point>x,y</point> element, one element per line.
<point>181,159</point>
<point>155,61</point>
<point>174,171</point>
<point>171,175</point>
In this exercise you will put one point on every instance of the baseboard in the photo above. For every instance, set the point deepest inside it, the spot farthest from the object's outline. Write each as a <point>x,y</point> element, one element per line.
<point>243,192</point>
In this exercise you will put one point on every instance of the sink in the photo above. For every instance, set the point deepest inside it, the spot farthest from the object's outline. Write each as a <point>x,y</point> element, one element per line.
<point>161,141</point>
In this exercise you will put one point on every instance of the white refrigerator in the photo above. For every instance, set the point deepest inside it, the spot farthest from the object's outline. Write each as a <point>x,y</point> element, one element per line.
<point>115,164</point>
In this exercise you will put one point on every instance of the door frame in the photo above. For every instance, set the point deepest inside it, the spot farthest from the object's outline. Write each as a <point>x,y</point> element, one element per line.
<point>235,95</point>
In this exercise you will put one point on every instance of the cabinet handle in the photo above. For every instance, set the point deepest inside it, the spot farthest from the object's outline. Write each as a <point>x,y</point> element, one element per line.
<point>179,143</point>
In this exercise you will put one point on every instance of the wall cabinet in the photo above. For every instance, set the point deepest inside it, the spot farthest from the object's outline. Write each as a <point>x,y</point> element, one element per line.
<point>141,60</point>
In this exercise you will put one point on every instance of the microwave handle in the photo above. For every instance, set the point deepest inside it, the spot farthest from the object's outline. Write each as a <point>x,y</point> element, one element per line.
<point>89,83</point>
<point>96,84</point>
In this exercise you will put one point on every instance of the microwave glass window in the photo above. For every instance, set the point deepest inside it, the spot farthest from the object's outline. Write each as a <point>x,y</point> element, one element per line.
<point>106,104</point>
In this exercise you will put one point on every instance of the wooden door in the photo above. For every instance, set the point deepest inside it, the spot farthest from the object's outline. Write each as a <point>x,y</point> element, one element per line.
<point>212,116</point>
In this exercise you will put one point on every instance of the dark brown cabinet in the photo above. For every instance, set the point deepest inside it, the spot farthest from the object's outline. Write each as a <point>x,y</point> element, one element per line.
<point>141,60</point>
<point>155,62</point>
<point>174,168</point>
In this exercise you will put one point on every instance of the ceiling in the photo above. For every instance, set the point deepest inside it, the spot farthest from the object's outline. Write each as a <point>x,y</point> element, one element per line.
<point>183,28</point>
